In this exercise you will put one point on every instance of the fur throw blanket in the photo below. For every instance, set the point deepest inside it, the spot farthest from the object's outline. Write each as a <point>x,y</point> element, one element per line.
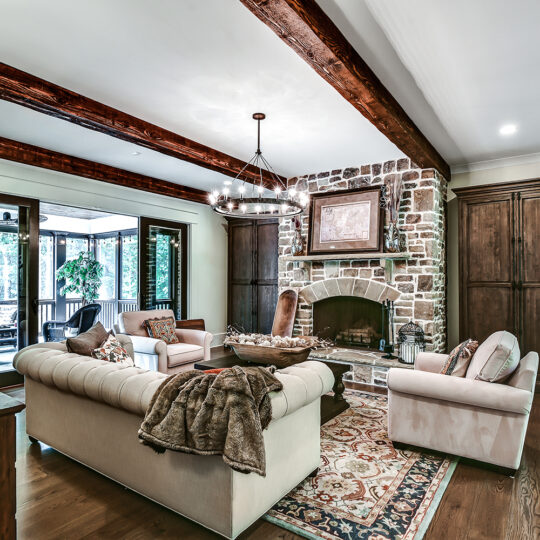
<point>204,413</point>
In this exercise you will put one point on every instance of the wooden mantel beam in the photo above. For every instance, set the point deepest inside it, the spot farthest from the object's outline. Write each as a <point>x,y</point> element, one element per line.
<point>55,161</point>
<point>43,96</point>
<point>306,28</point>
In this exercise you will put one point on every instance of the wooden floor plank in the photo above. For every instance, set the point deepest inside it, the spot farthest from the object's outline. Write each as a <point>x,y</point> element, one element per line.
<point>59,498</point>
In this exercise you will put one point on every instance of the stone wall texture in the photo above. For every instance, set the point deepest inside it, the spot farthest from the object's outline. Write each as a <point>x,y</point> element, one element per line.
<point>418,283</point>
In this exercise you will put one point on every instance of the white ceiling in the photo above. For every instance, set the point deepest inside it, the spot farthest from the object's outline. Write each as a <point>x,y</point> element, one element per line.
<point>475,63</point>
<point>22,124</point>
<point>460,69</point>
<point>197,68</point>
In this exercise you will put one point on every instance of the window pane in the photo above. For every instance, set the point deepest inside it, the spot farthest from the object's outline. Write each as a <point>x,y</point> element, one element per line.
<point>163,266</point>
<point>73,248</point>
<point>130,250</point>
<point>46,268</point>
<point>106,255</point>
<point>8,265</point>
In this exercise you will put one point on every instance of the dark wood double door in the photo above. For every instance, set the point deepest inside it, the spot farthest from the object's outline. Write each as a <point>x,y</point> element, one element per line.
<point>500,261</point>
<point>253,274</point>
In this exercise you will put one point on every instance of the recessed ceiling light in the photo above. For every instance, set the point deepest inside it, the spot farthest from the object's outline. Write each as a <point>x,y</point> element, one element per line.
<point>135,153</point>
<point>508,129</point>
<point>227,182</point>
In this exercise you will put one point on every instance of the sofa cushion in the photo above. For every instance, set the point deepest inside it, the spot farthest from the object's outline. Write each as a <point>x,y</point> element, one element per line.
<point>459,359</point>
<point>163,328</point>
<point>85,343</point>
<point>183,353</point>
<point>112,351</point>
<point>496,358</point>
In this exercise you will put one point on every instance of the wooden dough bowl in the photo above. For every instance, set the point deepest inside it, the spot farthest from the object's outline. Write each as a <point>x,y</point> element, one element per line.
<point>271,356</point>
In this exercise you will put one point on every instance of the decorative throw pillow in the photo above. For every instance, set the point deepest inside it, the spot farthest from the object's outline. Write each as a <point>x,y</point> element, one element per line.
<point>163,329</point>
<point>459,359</point>
<point>112,351</point>
<point>86,342</point>
<point>496,358</point>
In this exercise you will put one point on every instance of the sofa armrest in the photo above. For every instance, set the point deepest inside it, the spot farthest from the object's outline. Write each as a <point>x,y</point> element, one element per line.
<point>430,361</point>
<point>196,337</point>
<point>302,384</point>
<point>148,345</point>
<point>459,390</point>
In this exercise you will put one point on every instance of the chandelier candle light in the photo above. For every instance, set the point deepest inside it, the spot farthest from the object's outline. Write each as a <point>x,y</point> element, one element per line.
<point>242,199</point>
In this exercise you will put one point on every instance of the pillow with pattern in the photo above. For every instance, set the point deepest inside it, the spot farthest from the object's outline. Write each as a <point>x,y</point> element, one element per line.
<point>460,358</point>
<point>112,351</point>
<point>163,329</point>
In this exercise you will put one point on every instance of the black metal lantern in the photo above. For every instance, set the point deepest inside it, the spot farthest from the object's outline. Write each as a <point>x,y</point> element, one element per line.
<point>411,341</point>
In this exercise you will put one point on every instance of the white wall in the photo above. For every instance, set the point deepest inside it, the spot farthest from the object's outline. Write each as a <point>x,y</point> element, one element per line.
<point>497,171</point>
<point>207,286</point>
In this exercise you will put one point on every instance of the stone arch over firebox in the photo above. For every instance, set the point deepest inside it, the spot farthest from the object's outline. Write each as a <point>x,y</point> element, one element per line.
<point>348,286</point>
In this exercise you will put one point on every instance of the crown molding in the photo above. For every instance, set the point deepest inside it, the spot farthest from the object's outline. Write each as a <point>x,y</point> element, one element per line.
<point>512,161</point>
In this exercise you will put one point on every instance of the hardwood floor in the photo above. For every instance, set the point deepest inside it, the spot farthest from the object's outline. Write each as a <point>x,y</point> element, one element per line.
<point>59,498</point>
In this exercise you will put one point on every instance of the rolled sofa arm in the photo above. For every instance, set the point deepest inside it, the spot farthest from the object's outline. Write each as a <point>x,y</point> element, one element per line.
<point>196,337</point>
<point>430,361</point>
<point>495,396</point>
<point>302,384</point>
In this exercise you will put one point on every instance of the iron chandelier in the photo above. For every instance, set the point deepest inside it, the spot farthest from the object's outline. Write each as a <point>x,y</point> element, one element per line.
<point>243,199</point>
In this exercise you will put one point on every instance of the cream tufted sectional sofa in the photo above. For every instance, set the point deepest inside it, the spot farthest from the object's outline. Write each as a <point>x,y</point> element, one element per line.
<point>91,410</point>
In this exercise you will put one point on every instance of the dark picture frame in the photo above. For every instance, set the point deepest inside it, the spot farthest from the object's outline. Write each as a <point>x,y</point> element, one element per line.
<point>338,222</point>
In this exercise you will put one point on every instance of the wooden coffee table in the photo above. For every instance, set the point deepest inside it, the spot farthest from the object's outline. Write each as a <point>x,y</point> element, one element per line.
<point>331,406</point>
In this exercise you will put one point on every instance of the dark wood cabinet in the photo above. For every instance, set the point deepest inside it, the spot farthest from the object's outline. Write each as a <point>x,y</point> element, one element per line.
<point>499,261</point>
<point>253,274</point>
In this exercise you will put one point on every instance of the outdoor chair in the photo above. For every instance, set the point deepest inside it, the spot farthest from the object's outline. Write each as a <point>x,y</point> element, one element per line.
<point>8,330</point>
<point>81,321</point>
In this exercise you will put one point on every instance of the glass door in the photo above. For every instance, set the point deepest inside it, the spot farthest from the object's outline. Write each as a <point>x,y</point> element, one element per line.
<point>163,265</point>
<point>19,245</point>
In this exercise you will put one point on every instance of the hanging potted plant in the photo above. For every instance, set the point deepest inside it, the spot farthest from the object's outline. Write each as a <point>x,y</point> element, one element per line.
<point>82,276</point>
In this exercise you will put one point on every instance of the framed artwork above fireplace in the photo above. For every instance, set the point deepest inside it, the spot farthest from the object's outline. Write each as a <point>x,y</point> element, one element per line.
<point>346,221</point>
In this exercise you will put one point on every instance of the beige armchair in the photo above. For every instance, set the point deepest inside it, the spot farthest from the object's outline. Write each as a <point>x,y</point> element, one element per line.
<point>155,354</point>
<point>462,416</point>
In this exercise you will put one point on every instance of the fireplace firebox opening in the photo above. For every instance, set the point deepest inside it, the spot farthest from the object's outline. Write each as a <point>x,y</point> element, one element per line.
<point>349,321</point>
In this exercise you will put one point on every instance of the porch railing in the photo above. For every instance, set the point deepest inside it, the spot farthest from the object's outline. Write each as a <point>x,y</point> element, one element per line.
<point>109,309</point>
<point>47,310</point>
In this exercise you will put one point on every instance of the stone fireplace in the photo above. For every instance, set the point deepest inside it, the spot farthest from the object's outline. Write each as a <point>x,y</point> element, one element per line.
<point>415,280</point>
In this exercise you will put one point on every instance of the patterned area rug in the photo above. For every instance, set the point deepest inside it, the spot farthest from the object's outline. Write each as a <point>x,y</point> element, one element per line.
<point>366,489</point>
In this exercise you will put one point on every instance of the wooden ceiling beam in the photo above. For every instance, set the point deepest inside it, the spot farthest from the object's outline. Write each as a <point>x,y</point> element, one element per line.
<point>55,161</point>
<point>43,96</point>
<point>306,28</point>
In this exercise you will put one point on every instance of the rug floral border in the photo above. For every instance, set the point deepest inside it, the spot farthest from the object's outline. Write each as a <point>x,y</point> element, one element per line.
<point>404,513</point>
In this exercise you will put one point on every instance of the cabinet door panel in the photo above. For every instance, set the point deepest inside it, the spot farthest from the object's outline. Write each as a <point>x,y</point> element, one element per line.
<point>530,235</point>
<point>267,251</point>
<point>488,309</point>
<point>529,273</point>
<point>266,302</point>
<point>531,320</point>
<point>241,246</point>
<point>241,307</point>
<point>489,242</point>
<point>253,274</point>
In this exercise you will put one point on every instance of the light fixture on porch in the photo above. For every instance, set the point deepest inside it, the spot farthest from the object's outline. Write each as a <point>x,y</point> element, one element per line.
<point>242,199</point>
